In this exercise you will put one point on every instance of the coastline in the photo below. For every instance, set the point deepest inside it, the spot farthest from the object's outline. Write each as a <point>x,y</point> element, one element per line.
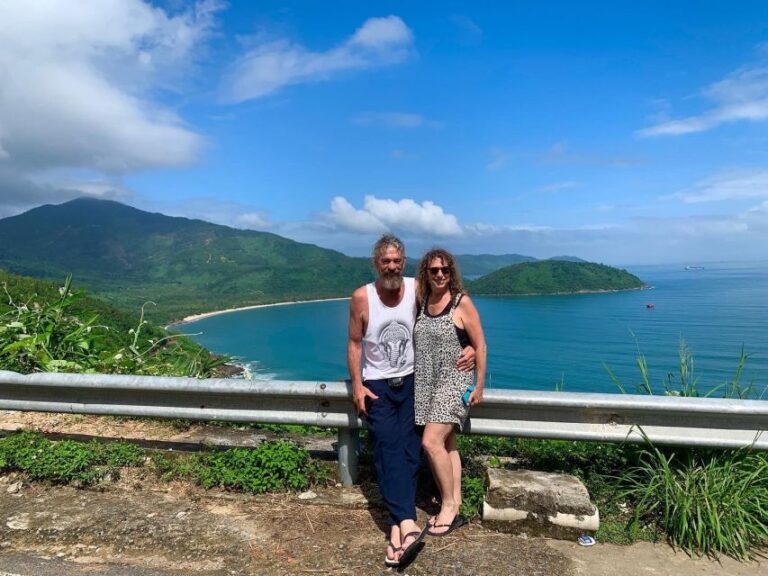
<point>576,292</point>
<point>196,317</point>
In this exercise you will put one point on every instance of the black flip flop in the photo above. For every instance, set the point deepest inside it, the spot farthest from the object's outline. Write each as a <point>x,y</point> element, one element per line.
<point>458,522</point>
<point>410,552</point>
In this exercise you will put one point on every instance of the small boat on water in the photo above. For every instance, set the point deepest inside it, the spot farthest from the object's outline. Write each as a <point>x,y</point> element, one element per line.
<point>694,267</point>
<point>650,305</point>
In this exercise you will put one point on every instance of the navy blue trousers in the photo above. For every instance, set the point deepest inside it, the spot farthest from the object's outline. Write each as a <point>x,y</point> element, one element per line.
<point>396,447</point>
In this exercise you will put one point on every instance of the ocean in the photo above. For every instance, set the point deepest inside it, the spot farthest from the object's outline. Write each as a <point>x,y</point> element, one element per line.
<point>567,342</point>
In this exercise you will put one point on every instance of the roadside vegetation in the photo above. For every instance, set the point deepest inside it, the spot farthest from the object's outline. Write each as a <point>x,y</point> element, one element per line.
<point>275,466</point>
<point>49,328</point>
<point>701,500</point>
<point>686,381</point>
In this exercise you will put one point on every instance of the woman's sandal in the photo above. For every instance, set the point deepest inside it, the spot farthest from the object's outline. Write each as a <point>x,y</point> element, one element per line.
<point>410,551</point>
<point>392,562</point>
<point>458,522</point>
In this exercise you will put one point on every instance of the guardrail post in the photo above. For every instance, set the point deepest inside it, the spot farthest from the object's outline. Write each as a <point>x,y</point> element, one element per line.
<point>348,448</point>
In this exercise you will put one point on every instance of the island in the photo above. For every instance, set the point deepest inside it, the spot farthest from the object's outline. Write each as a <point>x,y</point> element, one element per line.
<point>554,277</point>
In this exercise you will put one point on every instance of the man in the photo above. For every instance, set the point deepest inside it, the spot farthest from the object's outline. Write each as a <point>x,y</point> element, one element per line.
<point>381,319</point>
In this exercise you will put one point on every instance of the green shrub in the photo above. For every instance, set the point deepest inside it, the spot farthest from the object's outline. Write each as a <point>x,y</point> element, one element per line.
<point>58,334</point>
<point>65,461</point>
<point>472,496</point>
<point>471,446</point>
<point>581,459</point>
<point>299,429</point>
<point>120,454</point>
<point>271,467</point>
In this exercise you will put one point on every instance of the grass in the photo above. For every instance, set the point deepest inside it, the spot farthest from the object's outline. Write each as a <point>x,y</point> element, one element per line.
<point>685,381</point>
<point>703,501</point>
<point>276,466</point>
<point>66,461</point>
<point>706,501</point>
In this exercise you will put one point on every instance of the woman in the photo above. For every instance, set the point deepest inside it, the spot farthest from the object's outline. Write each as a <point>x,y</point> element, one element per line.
<point>447,321</point>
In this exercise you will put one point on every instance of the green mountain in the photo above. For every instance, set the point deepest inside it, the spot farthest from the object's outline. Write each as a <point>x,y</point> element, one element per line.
<point>186,266</point>
<point>567,258</point>
<point>553,277</point>
<point>128,257</point>
<point>481,264</point>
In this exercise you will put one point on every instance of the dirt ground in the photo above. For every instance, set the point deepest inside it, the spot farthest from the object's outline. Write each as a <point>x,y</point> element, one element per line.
<point>155,528</point>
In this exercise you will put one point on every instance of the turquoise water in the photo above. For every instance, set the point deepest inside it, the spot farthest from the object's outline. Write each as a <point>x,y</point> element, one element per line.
<point>544,342</point>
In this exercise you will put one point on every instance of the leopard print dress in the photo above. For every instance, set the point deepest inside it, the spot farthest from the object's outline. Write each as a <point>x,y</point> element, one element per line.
<point>439,385</point>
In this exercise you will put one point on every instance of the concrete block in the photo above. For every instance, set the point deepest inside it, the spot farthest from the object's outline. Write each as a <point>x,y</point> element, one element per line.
<point>538,504</point>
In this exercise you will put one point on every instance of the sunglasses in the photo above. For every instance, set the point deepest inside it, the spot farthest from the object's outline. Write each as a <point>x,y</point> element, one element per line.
<point>435,269</point>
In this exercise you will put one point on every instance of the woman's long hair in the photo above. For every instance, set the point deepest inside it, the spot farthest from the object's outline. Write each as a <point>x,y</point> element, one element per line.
<point>455,285</point>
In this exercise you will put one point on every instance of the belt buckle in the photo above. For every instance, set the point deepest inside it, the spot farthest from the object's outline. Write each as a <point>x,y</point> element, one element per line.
<point>396,382</point>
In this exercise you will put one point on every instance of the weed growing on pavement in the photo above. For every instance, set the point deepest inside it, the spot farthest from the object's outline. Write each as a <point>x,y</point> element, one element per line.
<point>270,467</point>
<point>65,461</point>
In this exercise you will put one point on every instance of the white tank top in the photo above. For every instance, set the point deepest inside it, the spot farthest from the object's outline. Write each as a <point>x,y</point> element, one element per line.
<point>388,339</point>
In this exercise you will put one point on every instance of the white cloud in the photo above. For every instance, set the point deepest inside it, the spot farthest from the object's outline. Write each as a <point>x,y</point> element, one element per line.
<point>213,209</point>
<point>75,77</point>
<point>254,220</point>
<point>730,185</point>
<point>78,85</point>
<point>394,120</point>
<point>380,214</point>
<point>273,65</point>
<point>740,96</point>
<point>104,189</point>
<point>354,220</point>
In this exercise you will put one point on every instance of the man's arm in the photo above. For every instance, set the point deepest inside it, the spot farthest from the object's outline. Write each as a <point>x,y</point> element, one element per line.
<point>358,309</point>
<point>466,361</point>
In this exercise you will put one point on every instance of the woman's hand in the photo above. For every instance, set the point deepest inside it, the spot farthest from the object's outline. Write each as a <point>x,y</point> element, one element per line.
<point>476,396</point>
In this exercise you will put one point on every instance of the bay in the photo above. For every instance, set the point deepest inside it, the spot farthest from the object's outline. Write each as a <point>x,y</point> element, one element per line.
<point>546,342</point>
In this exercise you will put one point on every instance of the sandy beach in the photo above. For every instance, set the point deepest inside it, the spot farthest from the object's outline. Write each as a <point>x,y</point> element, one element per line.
<point>196,317</point>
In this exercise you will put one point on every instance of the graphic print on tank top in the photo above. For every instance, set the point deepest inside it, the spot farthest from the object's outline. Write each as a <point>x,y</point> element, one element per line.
<point>394,340</point>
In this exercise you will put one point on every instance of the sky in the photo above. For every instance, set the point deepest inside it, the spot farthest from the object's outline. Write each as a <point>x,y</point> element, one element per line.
<point>620,132</point>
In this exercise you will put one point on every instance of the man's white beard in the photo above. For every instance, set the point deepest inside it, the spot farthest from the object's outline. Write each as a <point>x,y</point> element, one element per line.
<point>391,282</point>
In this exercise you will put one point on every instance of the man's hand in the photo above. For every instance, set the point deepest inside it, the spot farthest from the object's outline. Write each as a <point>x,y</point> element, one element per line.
<point>359,394</point>
<point>466,361</point>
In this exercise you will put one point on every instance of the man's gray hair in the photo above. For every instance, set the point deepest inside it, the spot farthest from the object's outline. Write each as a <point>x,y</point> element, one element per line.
<point>385,242</point>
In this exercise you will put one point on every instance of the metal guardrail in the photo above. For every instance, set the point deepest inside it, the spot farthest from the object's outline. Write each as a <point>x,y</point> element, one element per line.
<point>559,415</point>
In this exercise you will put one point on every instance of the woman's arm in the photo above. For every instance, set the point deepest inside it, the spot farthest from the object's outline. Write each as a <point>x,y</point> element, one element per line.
<point>471,321</point>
